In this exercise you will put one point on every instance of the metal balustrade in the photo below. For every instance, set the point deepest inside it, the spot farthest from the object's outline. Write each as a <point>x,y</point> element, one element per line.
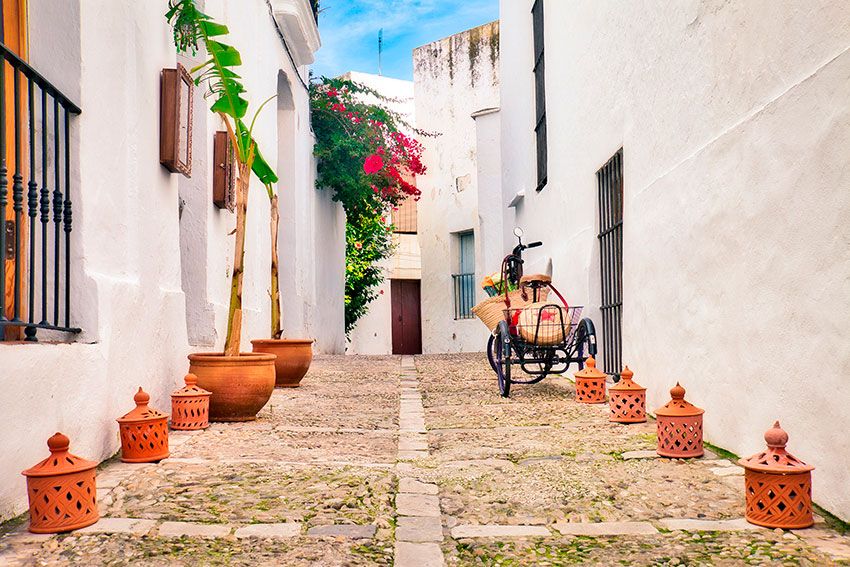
<point>464,295</point>
<point>37,275</point>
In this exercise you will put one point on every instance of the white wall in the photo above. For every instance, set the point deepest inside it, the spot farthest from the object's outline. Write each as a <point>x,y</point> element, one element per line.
<point>373,332</point>
<point>735,127</point>
<point>147,287</point>
<point>454,77</point>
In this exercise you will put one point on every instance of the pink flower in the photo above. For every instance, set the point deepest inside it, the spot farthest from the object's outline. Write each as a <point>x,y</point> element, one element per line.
<point>382,292</point>
<point>358,245</point>
<point>373,164</point>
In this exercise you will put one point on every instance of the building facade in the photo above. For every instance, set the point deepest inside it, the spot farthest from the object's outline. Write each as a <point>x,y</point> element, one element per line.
<point>687,172</point>
<point>392,325</point>
<point>456,85</point>
<point>150,255</point>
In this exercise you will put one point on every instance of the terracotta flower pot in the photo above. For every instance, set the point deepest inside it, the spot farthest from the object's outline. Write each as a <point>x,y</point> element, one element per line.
<point>240,385</point>
<point>293,358</point>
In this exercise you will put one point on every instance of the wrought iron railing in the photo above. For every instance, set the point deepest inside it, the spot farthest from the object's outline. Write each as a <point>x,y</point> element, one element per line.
<point>464,295</point>
<point>39,293</point>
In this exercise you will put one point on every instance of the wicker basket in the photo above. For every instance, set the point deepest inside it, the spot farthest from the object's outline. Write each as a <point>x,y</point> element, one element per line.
<point>492,309</point>
<point>543,323</point>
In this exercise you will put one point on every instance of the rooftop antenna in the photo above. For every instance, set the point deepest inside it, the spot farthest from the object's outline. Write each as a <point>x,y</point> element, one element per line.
<point>380,49</point>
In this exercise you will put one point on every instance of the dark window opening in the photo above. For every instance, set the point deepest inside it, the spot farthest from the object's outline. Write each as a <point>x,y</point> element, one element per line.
<point>610,181</point>
<point>540,95</point>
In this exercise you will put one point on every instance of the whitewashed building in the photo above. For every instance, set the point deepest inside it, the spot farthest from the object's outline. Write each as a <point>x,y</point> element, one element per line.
<point>457,88</point>
<point>150,255</point>
<point>687,170</point>
<point>392,325</point>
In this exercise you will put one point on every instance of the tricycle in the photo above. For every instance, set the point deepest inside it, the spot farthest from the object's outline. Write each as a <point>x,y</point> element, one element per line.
<point>541,335</point>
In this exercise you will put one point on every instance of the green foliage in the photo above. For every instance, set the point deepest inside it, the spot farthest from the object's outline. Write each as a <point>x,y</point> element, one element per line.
<point>368,240</point>
<point>193,28</point>
<point>368,163</point>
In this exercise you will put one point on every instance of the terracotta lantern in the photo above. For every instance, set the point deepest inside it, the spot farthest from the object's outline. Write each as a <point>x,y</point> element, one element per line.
<point>590,383</point>
<point>778,485</point>
<point>679,427</point>
<point>628,400</point>
<point>144,432</point>
<point>62,491</point>
<point>190,406</point>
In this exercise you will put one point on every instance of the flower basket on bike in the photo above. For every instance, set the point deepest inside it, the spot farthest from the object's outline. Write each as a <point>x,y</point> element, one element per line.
<point>492,309</point>
<point>541,323</point>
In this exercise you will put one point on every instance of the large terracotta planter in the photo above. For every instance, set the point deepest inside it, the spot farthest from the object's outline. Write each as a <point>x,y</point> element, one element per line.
<point>293,358</point>
<point>240,385</point>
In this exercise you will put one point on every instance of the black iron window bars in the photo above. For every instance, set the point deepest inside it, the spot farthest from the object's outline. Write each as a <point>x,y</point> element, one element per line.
<point>39,293</point>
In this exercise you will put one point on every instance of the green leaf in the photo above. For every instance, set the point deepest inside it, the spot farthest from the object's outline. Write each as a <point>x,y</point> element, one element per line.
<point>223,54</point>
<point>262,169</point>
<point>213,29</point>
<point>231,103</point>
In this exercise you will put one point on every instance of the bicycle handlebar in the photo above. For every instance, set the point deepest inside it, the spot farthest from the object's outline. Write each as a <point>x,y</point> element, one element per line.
<point>534,244</point>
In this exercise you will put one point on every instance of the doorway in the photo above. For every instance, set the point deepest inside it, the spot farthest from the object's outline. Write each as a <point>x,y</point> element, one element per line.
<point>13,35</point>
<point>407,316</point>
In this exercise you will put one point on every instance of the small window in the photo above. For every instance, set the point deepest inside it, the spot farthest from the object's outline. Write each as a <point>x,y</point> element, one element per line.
<point>404,216</point>
<point>464,279</point>
<point>540,95</point>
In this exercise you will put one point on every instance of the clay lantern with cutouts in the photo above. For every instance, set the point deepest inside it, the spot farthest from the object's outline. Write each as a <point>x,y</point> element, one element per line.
<point>144,432</point>
<point>679,427</point>
<point>590,383</point>
<point>627,400</point>
<point>62,491</point>
<point>778,485</point>
<point>190,406</point>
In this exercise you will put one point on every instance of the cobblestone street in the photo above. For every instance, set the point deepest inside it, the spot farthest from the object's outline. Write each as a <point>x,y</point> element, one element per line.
<point>382,460</point>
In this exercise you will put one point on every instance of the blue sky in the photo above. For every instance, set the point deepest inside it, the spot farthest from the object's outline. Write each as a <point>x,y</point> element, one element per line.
<point>349,31</point>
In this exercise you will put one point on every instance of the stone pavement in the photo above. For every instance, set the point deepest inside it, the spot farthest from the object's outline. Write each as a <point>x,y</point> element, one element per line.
<point>380,461</point>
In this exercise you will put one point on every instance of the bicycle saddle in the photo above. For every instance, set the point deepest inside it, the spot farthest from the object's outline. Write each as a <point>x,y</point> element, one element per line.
<point>535,279</point>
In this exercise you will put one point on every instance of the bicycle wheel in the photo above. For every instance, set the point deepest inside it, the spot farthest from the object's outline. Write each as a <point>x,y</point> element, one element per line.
<point>502,357</point>
<point>585,344</point>
<point>491,353</point>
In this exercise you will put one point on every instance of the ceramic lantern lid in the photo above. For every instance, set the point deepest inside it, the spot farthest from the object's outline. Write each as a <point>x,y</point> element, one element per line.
<point>60,460</point>
<point>142,412</point>
<point>590,370</point>
<point>626,383</point>
<point>678,406</point>
<point>191,389</point>
<point>775,459</point>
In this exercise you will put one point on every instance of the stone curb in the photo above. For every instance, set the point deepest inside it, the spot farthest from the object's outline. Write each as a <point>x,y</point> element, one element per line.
<point>605,528</point>
<point>472,531</point>
<point>689,525</point>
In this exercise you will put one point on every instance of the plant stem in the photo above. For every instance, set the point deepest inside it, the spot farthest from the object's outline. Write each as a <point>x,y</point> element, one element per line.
<point>234,316</point>
<point>275,291</point>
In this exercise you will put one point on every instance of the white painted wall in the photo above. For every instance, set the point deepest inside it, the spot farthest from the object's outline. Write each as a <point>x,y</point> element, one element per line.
<point>149,287</point>
<point>454,78</point>
<point>373,332</point>
<point>735,124</point>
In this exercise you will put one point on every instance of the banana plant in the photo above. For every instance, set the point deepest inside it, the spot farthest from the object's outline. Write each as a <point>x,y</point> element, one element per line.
<point>192,28</point>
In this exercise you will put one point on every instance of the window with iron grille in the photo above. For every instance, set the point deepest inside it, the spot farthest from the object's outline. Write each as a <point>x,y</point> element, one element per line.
<point>464,281</point>
<point>540,94</point>
<point>35,202</point>
<point>610,181</point>
<point>404,216</point>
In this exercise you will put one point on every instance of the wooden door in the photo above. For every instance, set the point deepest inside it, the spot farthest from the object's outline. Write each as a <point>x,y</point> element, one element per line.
<point>13,35</point>
<point>407,318</point>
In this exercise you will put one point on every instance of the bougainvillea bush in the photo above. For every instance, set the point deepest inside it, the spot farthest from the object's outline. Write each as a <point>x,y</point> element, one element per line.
<point>370,165</point>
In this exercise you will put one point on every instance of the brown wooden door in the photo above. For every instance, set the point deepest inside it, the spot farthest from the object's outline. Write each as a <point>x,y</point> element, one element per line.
<point>14,37</point>
<point>407,318</point>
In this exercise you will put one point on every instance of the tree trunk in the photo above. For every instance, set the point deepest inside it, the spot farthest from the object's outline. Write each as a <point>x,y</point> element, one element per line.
<point>275,291</point>
<point>234,316</point>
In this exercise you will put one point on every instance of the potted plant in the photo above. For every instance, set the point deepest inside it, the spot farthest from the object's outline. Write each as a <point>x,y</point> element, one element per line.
<point>241,383</point>
<point>293,355</point>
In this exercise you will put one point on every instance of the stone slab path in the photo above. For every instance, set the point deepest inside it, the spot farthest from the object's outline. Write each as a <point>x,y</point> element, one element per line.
<point>419,463</point>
